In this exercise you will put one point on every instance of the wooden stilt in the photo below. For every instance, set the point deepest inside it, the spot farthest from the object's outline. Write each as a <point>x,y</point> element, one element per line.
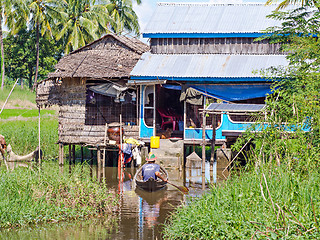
<point>121,158</point>
<point>104,152</point>
<point>91,163</point>
<point>70,154</point>
<point>61,154</point>
<point>74,154</point>
<point>213,142</point>
<point>91,158</point>
<point>81,154</point>
<point>99,164</point>
<point>39,132</point>
<point>203,142</point>
<point>103,163</point>
<point>203,181</point>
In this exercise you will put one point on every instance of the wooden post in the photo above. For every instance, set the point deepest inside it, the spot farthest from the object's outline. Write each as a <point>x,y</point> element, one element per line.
<point>203,141</point>
<point>91,158</point>
<point>213,142</point>
<point>104,151</point>
<point>39,138</point>
<point>99,164</point>
<point>203,181</point>
<point>91,163</point>
<point>81,154</point>
<point>74,154</point>
<point>61,154</point>
<point>121,159</point>
<point>70,154</point>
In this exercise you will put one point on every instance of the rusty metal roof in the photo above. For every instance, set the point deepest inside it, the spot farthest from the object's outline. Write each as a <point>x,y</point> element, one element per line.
<point>204,65</point>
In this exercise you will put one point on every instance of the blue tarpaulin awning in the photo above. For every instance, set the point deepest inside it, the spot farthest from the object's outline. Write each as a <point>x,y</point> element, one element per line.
<point>234,92</point>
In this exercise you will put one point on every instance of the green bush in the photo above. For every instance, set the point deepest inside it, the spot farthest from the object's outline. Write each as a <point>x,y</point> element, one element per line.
<point>49,195</point>
<point>281,205</point>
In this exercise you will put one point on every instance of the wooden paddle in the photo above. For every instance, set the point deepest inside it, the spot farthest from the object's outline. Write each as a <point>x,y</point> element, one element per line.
<point>183,189</point>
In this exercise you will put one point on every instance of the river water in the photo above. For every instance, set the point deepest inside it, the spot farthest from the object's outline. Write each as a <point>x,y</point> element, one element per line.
<point>141,214</point>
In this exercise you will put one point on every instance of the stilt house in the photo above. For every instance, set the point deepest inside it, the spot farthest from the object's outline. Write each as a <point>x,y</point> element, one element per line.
<point>200,54</point>
<point>89,85</point>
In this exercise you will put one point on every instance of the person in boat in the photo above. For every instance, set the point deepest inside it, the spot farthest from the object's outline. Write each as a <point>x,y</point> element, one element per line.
<point>151,169</point>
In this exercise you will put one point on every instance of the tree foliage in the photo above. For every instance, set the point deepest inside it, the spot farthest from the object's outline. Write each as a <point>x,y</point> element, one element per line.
<point>291,127</point>
<point>286,3</point>
<point>20,54</point>
<point>72,23</point>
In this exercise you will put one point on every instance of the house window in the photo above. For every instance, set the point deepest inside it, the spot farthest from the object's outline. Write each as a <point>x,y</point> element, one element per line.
<point>242,118</point>
<point>193,117</point>
<point>209,120</point>
<point>149,105</point>
<point>102,109</point>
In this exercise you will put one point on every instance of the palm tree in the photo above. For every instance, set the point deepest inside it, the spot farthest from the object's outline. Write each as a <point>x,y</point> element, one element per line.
<point>42,14</point>
<point>285,3</point>
<point>81,22</point>
<point>5,8</point>
<point>124,16</point>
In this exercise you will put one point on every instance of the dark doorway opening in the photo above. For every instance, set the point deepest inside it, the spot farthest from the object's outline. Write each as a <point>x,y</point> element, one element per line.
<point>169,111</point>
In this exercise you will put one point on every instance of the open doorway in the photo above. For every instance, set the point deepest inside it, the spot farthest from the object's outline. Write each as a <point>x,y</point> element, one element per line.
<point>169,111</point>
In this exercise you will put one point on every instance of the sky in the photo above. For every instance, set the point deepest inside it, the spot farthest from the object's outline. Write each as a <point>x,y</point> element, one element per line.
<point>147,7</point>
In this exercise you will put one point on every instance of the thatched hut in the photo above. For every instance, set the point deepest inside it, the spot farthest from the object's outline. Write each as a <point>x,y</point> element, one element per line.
<point>90,87</point>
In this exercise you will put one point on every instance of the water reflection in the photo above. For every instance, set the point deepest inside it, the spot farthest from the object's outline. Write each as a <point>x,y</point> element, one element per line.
<point>141,214</point>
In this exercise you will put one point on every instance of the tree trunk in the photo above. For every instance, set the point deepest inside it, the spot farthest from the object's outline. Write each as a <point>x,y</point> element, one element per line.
<point>37,63</point>
<point>2,54</point>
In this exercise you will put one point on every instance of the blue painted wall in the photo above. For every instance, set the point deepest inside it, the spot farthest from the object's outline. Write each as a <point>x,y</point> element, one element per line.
<point>226,124</point>
<point>192,133</point>
<point>145,131</point>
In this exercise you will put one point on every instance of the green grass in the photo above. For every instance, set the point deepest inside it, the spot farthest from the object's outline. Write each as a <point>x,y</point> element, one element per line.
<point>19,94</point>
<point>33,196</point>
<point>242,208</point>
<point>9,113</point>
<point>23,135</point>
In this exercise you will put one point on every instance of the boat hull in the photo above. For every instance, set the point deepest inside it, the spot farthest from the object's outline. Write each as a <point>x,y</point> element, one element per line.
<point>151,185</point>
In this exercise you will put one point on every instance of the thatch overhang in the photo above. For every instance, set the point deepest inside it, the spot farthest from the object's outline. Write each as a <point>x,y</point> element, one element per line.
<point>111,57</point>
<point>48,92</point>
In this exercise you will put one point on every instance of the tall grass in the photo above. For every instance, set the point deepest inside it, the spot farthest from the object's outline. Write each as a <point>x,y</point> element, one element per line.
<point>33,196</point>
<point>277,205</point>
<point>17,93</point>
<point>23,135</point>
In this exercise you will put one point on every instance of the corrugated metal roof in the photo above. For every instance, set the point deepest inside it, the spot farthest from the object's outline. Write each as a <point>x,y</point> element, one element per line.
<point>204,65</point>
<point>225,107</point>
<point>210,18</point>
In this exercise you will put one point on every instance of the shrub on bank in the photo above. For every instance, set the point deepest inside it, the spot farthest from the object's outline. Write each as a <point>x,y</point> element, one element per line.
<point>48,195</point>
<point>258,206</point>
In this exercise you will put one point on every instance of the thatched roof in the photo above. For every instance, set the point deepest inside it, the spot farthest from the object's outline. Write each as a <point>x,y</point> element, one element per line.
<point>111,56</point>
<point>48,92</point>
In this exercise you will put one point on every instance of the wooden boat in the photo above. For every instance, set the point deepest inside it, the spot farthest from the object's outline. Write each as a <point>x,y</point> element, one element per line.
<point>151,185</point>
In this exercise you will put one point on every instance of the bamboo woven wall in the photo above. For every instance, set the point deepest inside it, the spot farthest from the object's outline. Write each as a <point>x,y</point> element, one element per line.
<point>74,127</point>
<point>212,45</point>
